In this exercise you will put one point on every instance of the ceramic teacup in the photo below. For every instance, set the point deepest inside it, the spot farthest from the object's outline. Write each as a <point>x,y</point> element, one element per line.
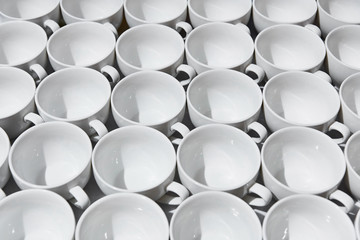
<point>214,215</point>
<point>218,157</point>
<point>303,160</point>
<point>298,98</point>
<point>123,216</point>
<point>4,164</point>
<point>54,156</point>
<point>352,151</point>
<point>230,11</point>
<point>36,214</point>
<point>357,225</point>
<point>228,97</point>
<point>307,217</point>
<point>343,49</point>
<point>335,13</point>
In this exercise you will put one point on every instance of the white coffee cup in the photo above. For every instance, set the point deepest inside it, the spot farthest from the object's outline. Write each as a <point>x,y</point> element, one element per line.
<point>303,160</point>
<point>269,13</point>
<point>228,97</point>
<point>137,159</point>
<point>109,12</point>
<point>84,44</point>
<point>352,177</point>
<point>214,215</point>
<point>4,164</point>
<point>230,11</point>
<point>123,216</point>
<point>357,225</point>
<point>287,47</point>
<point>45,13</point>
<point>343,49</point>
<point>54,156</point>
<point>308,217</point>
<point>335,13</point>
<point>298,98</point>
<point>23,45</point>
<point>218,157</point>
<point>150,98</point>
<point>36,214</point>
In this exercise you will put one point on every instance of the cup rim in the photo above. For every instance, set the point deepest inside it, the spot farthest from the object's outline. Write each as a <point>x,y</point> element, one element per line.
<point>352,138</point>
<point>320,7</point>
<point>6,139</point>
<point>344,105</point>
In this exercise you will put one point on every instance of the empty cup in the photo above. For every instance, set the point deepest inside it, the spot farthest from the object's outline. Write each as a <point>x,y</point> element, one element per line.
<point>4,164</point>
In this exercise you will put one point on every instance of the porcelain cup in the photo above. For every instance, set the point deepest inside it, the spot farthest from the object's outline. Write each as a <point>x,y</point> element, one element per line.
<point>308,217</point>
<point>4,164</point>
<point>123,216</point>
<point>352,177</point>
<point>298,98</point>
<point>54,156</point>
<point>357,225</point>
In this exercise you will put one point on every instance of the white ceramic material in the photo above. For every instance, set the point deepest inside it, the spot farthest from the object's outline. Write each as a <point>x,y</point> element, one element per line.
<point>298,98</point>
<point>307,217</point>
<point>80,96</point>
<point>107,12</point>
<point>215,215</point>
<point>36,214</point>
<point>4,164</point>
<point>228,97</point>
<point>123,216</point>
<point>150,98</point>
<point>230,11</point>
<point>303,160</point>
<point>137,159</point>
<point>286,47</point>
<point>357,225</point>
<point>84,44</point>
<point>335,13</point>
<point>268,13</point>
<point>352,177</point>
<point>23,45</point>
<point>218,45</point>
<point>218,157</point>
<point>343,48</point>
<point>54,156</point>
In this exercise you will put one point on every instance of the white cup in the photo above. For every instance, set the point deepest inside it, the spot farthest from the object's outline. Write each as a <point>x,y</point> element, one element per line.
<point>4,164</point>
<point>23,45</point>
<point>214,215</point>
<point>150,98</point>
<point>298,98</point>
<point>268,13</point>
<point>36,214</point>
<point>335,13</point>
<point>218,157</point>
<point>218,45</point>
<point>308,217</point>
<point>169,13</point>
<point>228,97</point>
<point>303,160</point>
<point>357,225</point>
<point>230,11</point>
<point>343,47</point>
<point>54,156</point>
<point>84,44</point>
<point>123,216</point>
<point>286,47</point>
<point>109,12</point>
<point>352,177</point>
<point>137,159</point>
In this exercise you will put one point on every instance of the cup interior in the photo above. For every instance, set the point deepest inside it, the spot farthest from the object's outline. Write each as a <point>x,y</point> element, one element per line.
<point>347,11</point>
<point>219,45</point>
<point>352,153</point>
<point>73,94</point>
<point>17,90</point>
<point>123,216</point>
<point>225,96</point>
<point>219,157</point>
<point>350,94</point>
<point>148,98</point>
<point>21,42</point>
<point>27,9</point>
<point>290,47</point>
<point>50,154</point>
<point>134,158</point>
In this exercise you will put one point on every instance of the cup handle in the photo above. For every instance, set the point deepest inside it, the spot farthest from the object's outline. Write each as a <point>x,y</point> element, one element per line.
<point>258,71</point>
<point>80,198</point>
<point>180,128</point>
<point>33,118</point>
<point>51,26</point>
<point>2,194</point>
<point>179,190</point>
<point>264,194</point>
<point>99,128</point>
<point>188,70</point>
<point>111,74</point>
<point>315,29</point>
<point>259,130</point>
<point>347,202</point>
<point>243,27</point>
<point>38,73</point>
<point>342,129</point>
<point>111,28</point>
<point>323,75</point>
<point>184,27</point>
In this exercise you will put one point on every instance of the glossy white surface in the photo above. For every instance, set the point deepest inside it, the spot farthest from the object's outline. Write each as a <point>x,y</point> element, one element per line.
<point>214,215</point>
<point>352,154</point>
<point>4,153</point>
<point>307,217</point>
<point>123,216</point>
